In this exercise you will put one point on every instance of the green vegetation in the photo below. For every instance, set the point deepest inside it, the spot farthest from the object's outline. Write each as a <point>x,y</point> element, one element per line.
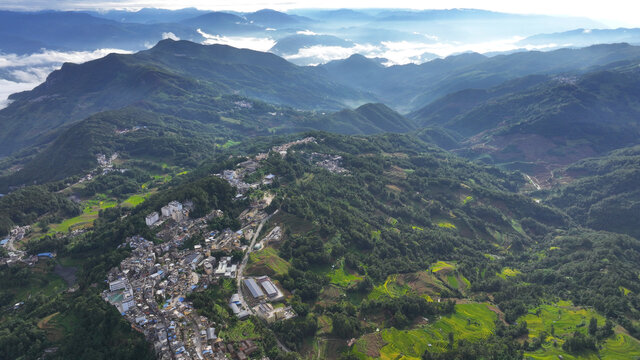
<point>267,261</point>
<point>339,276</point>
<point>552,325</point>
<point>135,200</point>
<point>508,272</point>
<point>471,322</point>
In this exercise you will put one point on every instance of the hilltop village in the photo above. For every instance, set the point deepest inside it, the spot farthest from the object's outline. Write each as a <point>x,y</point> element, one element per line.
<point>150,288</point>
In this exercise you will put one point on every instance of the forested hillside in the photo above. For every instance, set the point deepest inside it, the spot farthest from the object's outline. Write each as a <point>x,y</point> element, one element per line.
<point>497,220</point>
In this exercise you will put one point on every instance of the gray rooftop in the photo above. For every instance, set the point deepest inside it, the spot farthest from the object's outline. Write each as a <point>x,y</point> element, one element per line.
<point>253,287</point>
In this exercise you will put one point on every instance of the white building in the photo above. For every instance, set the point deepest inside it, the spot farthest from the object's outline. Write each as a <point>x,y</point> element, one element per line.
<point>126,305</point>
<point>116,285</point>
<point>152,218</point>
<point>166,211</point>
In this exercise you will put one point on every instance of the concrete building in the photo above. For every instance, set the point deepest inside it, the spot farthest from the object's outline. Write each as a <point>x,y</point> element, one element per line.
<point>117,285</point>
<point>254,288</point>
<point>152,218</point>
<point>211,334</point>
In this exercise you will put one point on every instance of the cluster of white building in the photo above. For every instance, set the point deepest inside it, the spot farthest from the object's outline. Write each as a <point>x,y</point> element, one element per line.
<point>173,210</point>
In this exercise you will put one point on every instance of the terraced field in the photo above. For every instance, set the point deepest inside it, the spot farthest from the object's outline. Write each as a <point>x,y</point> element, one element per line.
<point>472,322</point>
<point>563,319</point>
<point>448,273</point>
<point>422,283</point>
<point>89,214</point>
<point>135,200</point>
<point>268,262</point>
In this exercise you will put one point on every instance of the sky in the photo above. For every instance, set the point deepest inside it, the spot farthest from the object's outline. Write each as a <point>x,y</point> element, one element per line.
<point>612,12</point>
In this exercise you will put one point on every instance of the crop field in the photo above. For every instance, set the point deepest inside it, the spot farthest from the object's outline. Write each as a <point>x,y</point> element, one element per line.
<point>267,261</point>
<point>446,225</point>
<point>391,288</point>
<point>339,276</point>
<point>89,214</point>
<point>442,265</point>
<point>447,273</point>
<point>565,320</point>
<point>241,330</point>
<point>472,322</point>
<point>135,200</point>
<point>508,272</point>
<point>422,283</point>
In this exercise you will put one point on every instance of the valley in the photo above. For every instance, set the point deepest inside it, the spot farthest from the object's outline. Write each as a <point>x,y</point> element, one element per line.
<point>201,201</point>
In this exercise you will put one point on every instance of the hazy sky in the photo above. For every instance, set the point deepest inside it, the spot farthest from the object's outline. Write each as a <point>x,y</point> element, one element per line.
<point>611,12</point>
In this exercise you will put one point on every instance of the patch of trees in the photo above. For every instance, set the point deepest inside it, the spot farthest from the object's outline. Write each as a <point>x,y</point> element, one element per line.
<point>117,183</point>
<point>404,309</point>
<point>213,301</point>
<point>292,332</point>
<point>24,206</point>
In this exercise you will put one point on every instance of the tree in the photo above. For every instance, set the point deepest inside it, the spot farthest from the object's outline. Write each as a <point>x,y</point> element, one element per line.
<point>593,326</point>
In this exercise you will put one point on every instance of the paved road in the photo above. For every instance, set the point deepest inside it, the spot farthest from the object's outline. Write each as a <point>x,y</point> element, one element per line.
<point>245,260</point>
<point>240,271</point>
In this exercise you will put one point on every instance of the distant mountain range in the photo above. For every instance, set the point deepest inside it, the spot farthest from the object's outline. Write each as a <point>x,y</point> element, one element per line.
<point>25,33</point>
<point>493,109</point>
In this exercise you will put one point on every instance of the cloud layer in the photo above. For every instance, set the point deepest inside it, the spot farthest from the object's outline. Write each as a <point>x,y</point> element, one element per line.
<point>24,72</point>
<point>407,52</point>
<point>253,43</point>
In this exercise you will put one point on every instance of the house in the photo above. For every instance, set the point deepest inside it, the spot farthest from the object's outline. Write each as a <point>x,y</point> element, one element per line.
<point>166,211</point>
<point>234,308</point>
<point>126,305</point>
<point>116,285</point>
<point>152,218</point>
<point>211,334</point>
<point>46,254</point>
<point>253,288</point>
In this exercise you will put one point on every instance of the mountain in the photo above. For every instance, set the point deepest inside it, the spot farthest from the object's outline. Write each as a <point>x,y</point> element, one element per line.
<point>449,106</point>
<point>217,23</point>
<point>602,192</point>
<point>585,37</point>
<point>171,68</point>
<point>545,124</point>
<point>79,31</point>
<point>276,19</point>
<point>292,44</point>
<point>369,119</point>
<point>149,15</point>
<point>410,87</point>
<point>155,129</point>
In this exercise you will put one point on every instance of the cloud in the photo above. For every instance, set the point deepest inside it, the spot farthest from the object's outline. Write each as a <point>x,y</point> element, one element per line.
<point>319,54</point>
<point>47,57</point>
<point>406,52</point>
<point>24,72</point>
<point>253,43</point>
<point>8,87</point>
<point>586,31</point>
<point>169,35</point>
<point>305,32</point>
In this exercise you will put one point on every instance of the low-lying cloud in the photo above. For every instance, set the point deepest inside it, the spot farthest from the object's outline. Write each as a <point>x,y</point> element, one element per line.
<point>407,52</point>
<point>169,35</point>
<point>24,72</point>
<point>253,43</point>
